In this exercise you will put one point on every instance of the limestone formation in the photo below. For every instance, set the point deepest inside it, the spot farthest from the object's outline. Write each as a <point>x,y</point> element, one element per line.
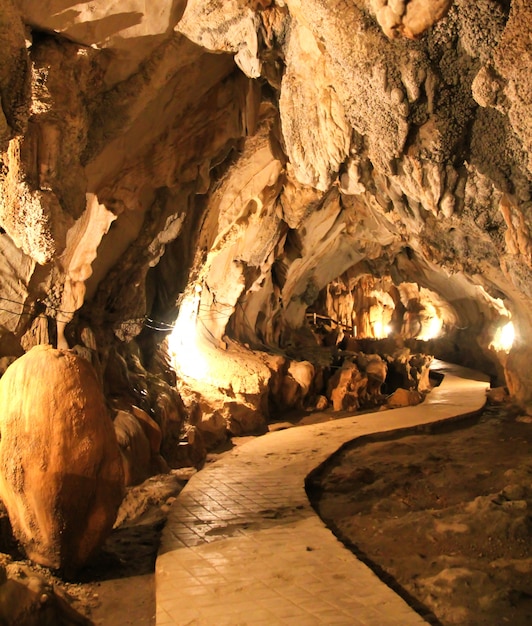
<point>411,17</point>
<point>28,598</point>
<point>61,477</point>
<point>139,439</point>
<point>346,388</point>
<point>277,177</point>
<point>403,397</point>
<point>296,385</point>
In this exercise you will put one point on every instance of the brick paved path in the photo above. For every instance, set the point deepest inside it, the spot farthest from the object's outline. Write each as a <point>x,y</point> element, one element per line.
<point>243,546</point>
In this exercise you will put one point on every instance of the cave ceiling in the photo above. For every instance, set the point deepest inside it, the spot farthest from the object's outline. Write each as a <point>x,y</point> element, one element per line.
<point>264,157</point>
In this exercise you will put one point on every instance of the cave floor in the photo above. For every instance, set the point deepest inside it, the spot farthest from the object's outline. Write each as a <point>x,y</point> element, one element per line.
<point>242,544</point>
<point>442,516</point>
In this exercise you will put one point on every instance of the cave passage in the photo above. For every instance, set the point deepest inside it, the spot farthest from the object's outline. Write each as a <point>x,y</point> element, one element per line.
<point>223,218</point>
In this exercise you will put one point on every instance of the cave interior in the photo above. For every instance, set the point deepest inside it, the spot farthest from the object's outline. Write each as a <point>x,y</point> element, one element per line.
<point>238,212</point>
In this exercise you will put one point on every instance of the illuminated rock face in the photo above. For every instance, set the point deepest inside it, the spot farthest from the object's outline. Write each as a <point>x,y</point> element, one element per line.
<point>61,476</point>
<point>264,153</point>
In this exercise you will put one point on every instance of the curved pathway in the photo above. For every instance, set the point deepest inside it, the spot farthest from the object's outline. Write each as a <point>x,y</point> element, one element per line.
<point>243,546</point>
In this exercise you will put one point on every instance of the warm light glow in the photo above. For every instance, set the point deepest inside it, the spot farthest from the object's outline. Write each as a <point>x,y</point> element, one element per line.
<point>183,344</point>
<point>431,329</point>
<point>380,330</point>
<point>504,338</point>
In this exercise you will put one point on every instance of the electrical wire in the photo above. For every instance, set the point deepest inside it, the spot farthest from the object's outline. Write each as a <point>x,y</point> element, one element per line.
<point>19,313</point>
<point>208,330</point>
<point>48,306</point>
<point>27,309</point>
<point>146,321</point>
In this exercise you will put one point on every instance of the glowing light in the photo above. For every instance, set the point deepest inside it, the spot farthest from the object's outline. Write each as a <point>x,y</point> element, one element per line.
<point>504,338</point>
<point>380,330</point>
<point>432,329</point>
<point>183,342</point>
<point>380,314</point>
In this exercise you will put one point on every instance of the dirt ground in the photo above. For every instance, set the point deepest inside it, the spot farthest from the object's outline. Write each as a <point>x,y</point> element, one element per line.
<point>116,589</point>
<point>122,582</point>
<point>445,516</point>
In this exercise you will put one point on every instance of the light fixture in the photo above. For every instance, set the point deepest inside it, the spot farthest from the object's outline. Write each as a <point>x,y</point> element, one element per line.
<point>183,343</point>
<point>504,337</point>
<point>381,330</point>
<point>377,330</point>
<point>432,329</point>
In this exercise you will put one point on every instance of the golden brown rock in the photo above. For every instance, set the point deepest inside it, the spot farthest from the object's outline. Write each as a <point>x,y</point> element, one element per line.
<point>346,388</point>
<point>134,448</point>
<point>60,471</point>
<point>409,17</point>
<point>404,397</point>
<point>139,438</point>
<point>135,156</point>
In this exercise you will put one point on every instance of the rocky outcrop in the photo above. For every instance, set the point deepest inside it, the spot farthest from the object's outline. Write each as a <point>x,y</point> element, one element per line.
<point>181,160</point>
<point>61,477</point>
<point>139,439</point>
<point>410,18</point>
<point>403,397</point>
<point>26,597</point>
<point>346,388</point>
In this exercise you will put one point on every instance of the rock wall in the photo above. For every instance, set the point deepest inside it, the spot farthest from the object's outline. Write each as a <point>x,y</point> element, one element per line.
<point>260,151</point>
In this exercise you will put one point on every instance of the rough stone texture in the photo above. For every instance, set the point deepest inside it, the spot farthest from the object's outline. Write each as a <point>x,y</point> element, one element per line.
<point>346,388</point>
<point>139,439</point>
<point>409,17</point>
<point>270,153</point>
<point>29,598</point>
<point>295,386</point>
<point>61,477</point>
<point>404,397</point>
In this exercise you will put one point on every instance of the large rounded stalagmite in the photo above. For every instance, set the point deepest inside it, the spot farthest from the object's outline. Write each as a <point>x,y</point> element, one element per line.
<point>61,475</point>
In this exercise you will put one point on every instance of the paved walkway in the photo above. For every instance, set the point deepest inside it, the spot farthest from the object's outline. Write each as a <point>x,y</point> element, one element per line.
<point>243,546</point>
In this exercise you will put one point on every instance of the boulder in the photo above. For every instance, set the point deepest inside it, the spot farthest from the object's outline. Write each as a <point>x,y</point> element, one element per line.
<point>497,395</point>
<point>375,369</point>
<point>290,395</point>
<point>150,427</point>
<point>61,475</point>
<point>347,387</point>
<point>191,451</point>
<point>291,386</point>
<point>212,426</point>
<point>303,373</point>
<point>28,599</point>
<point>169,413</point>
<point>140,438</point>
<point>244,418</point>
<point>321,403</point>
<point>404,397</point>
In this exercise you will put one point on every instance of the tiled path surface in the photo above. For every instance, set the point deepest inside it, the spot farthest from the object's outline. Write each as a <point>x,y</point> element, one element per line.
<point>243,546</point>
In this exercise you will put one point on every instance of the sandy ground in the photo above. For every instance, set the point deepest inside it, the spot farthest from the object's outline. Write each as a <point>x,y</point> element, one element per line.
<point>445,517</point>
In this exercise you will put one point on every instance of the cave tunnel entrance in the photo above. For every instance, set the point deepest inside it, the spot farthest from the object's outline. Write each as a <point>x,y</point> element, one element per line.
<point>359,311</point>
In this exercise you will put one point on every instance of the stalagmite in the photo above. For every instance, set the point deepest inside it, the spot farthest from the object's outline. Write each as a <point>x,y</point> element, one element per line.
<point>61,476</point>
